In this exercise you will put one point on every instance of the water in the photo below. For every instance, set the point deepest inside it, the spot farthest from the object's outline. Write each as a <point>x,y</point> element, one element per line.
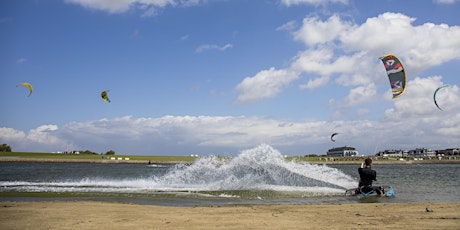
<point>256,176</point>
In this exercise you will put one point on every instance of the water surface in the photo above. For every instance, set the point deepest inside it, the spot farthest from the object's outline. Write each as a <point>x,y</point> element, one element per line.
<point>256,176</point>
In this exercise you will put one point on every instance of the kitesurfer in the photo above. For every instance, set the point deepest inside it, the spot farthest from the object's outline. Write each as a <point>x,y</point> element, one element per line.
<point>367,175</point>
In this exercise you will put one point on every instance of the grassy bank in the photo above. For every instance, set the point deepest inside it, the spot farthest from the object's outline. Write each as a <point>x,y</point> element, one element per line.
<point>93,157</point>
<point>59,157</point>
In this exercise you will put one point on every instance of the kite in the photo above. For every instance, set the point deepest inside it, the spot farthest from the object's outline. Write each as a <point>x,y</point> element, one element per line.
<point>26,84</point>
<point>396,74</point>
<point>104,96</point>
<point>333,136</point>
<point>436,91</point>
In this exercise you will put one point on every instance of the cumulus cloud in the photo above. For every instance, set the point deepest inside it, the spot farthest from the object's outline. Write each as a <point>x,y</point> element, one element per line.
<point>361,94</point>
<point>172,135</point>
<point>161,135</point>
<point>315,31</point>
<point>183,135</point>
<point>346,53</point>
<point>418,100</point>
<point>315,83</point>
<point>9,134</point>
<point>420,120</point>
<point>42,138</point>
<point>267,83</point>
<point>43,134</point>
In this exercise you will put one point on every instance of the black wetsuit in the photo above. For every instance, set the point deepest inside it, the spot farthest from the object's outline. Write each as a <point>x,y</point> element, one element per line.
<point>367,175</point>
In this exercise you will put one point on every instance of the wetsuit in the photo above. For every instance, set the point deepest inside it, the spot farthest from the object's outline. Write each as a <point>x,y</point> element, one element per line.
<point>367,175</point>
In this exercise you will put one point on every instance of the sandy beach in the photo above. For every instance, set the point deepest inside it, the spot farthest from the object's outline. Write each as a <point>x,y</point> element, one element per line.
<point>105,215</point>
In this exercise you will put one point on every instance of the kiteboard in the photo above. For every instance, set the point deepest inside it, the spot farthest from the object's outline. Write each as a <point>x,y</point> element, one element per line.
<point>388,192</point>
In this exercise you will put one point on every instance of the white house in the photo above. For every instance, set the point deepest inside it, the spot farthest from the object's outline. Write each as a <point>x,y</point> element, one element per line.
<point>422,152</point>
<point>391,153</point>
<point>345,151</point>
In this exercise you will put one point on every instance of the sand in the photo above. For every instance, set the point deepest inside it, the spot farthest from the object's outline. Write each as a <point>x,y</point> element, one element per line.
<point>105,215</point>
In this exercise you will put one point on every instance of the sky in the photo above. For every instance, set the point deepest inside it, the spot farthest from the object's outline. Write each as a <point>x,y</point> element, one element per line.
<point>216,77</point>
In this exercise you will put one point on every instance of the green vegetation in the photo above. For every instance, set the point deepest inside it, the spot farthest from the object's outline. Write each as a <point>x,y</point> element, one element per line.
<point>88,155</point>
<point>83,156</point>
<point>5,148</point>
<point>49,155</point>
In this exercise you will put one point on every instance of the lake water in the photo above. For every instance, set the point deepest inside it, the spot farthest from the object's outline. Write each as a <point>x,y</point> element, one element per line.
<point>256,176</point>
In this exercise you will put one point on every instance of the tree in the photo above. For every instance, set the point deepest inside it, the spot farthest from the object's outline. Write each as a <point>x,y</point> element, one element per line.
<point>110,152</point>
<point>89,152</point>
<point>5,148</point>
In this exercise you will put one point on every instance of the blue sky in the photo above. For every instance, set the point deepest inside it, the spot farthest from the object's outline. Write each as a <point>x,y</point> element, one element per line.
<point>221,76</point>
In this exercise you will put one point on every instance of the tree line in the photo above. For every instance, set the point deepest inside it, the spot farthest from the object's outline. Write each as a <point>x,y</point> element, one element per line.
<point>7,148</point>
<point>89,152</point>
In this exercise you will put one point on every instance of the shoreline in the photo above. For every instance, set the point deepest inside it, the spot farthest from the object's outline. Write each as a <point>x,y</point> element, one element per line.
<point>100,161</point>
<point>107,215</point>
<point>116,161</point>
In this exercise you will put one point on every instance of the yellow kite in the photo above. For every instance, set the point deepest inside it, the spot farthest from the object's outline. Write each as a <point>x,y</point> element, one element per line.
<point>104,96</point>
<point>28,85</point>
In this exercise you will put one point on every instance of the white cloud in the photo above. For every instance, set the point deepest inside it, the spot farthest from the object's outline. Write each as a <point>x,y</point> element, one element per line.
<point>9,134</point>
<point>416,119</point>
<point>21,60</point>
<point>287,26</point>
<point>43,134</point>
<point>314,31</point>
<point>445,1</point>
<point>418,100</point>
<point>206,47</point>
<point>449,127</point>
<point>42,138</point>
<point>347,53</point>
<point>315,83</point>
<point>362,111</point>
<point>322,62</point>
<point>117,6</point>
<point>441,40</point>
<point>266,83</point>
<point>312,2</point>
<point>185,37</point>
<point>356,96</point>
<point>172,135</point>
<point>361,94</point>
<point>149,7</point>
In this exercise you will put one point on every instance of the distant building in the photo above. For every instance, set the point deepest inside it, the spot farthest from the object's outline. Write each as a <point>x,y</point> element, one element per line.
<point>392,153</point>
<point>345,151</point>
<point>422,152</point>
<point>419,152</point>
<point>450,152</point>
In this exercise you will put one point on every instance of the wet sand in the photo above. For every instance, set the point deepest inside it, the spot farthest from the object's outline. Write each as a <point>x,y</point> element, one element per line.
<point>105,215</point>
